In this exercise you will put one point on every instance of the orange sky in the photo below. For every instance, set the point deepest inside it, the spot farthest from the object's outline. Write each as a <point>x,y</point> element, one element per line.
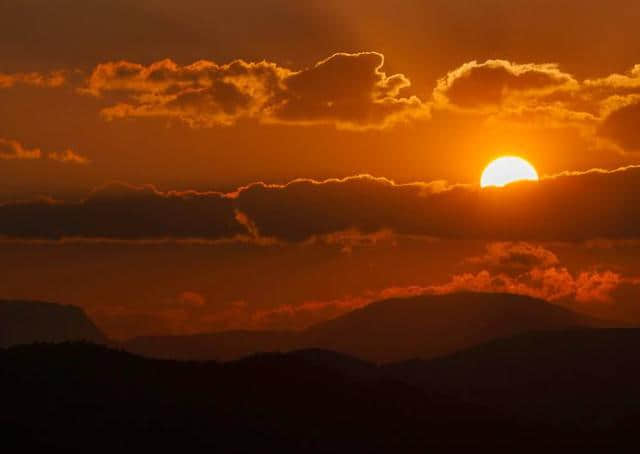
<point>202,165</point>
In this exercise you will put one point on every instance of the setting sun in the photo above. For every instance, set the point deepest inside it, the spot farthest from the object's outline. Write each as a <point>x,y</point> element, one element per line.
<point>507,170</point>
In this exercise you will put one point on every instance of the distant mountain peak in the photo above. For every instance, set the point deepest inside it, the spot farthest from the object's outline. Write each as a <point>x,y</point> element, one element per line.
<point>25,322</point>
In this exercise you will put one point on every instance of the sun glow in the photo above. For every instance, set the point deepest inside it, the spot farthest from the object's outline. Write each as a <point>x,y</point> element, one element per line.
<point>507,169</point>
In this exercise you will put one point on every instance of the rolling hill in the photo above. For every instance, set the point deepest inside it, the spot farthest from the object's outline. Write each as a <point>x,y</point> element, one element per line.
<point>392,330</point>
<point>549,391</point>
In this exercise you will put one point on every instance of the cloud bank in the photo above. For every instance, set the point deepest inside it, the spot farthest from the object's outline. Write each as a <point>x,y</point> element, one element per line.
<point>568,207</point>
<point>347,90</point>
<point>13,150</point>
<point>352,91</point>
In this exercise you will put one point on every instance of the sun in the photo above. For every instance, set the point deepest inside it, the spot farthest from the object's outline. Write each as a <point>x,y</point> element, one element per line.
<point>506,170</point>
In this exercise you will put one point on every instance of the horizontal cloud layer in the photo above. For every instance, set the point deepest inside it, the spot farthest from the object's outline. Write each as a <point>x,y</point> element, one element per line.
<point>351,91</point>
<point>13,150</point>
<point>348,90</point>
<point>34,79</point>
<point>566,207</point>
<point>542,94</point>
<point>123,212</point>
<point>571,207</point>
<point>533,270</point>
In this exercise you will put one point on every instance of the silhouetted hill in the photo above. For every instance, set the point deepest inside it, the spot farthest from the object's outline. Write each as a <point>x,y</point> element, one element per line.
<point>24,322</point>
<point>222,346</point>
<point>579,380</point>
<point>73,396</point>
<point>434,325</point>
<point>541,391</point>
<point>392,330</point>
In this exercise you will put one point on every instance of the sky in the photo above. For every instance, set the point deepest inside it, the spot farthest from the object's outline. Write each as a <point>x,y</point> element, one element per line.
<point>195,166</point>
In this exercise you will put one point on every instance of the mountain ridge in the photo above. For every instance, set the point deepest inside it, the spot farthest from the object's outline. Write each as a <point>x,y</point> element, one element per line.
<point>396,329</point>
<point>553,389</point>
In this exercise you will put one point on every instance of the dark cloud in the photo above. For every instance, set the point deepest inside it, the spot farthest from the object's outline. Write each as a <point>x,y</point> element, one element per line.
<point>621,125</point>
<point>571,207</point>
<point>123,212</point>
<point>567,207</point>
<point>494,82</point>
<point>347,90</point>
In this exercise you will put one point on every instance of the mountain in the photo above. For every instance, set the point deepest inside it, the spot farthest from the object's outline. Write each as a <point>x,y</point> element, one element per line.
<point>222,346</point>
<point>397,329</point>
<point>544,367</point>
<point>70,396</point>
<point>433,325</point>
<point>425,326</point>
<point>552,391</point>
<point>579,381</point>
<point>24,322</point>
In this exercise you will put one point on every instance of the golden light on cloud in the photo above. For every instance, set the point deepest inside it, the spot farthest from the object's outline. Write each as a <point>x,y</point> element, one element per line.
<point>507,169</point>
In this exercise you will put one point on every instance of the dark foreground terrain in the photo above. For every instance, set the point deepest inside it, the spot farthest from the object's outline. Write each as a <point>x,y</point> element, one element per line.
<point>547,390</point>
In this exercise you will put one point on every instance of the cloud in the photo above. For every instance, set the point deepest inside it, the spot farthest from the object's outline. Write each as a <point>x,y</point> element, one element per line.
<point>531,269</point>
<point>621,124</point>
<point>594,291</point>
<point>620,84</point>
<point>351,239</point>
<point>33,79</point>
<point>515,256</point>
<point>305,208</point>
<point>573,207</point>
<point>13,150</point>
<point>594,286</point>
<point>190,313</point>
<point>604,108</point>
<point>578,206</point>
<point>201,94</point>
<point>120,211</point>
<point>345,90</point>
<point>350,90</point>
<point>551,284</point>
<point>192,299</point>
<point>497,82</point>
<point>543,96</point>
<point>68,156</point>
